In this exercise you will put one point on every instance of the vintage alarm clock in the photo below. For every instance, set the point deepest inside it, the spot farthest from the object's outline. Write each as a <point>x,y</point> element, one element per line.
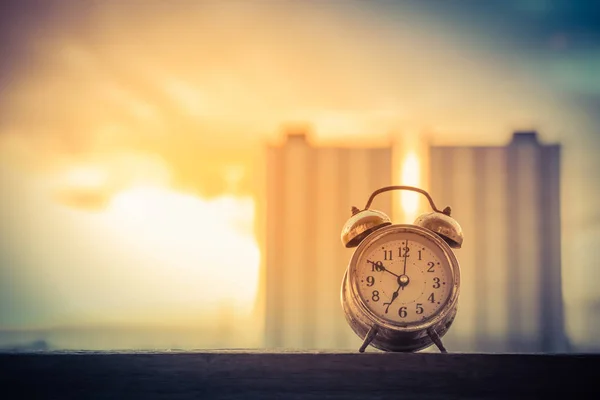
<point>400,290</point>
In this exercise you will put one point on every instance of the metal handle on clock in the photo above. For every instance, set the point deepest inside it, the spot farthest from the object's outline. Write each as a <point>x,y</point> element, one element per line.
<point>446,210</point>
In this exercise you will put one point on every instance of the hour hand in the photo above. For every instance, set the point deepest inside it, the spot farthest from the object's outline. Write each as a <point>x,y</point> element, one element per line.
<point>394,295</point>
<point>379,267</point>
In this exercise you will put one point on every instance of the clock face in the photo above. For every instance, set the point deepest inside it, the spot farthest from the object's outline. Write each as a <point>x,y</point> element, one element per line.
<point>403,277</point>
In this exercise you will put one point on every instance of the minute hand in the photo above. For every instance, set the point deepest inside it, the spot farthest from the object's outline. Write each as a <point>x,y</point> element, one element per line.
<point>378,265</point>
<point>405,256</point>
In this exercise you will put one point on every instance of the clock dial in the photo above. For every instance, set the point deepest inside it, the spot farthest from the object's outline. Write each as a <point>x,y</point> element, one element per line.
<point>404,277</point>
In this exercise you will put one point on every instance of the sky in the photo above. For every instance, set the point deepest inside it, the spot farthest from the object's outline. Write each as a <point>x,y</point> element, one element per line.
<point>177,99</point>
<point>224,75</point>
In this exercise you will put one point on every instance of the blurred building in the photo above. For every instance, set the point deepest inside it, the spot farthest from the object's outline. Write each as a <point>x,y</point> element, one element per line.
<point>309,194</point>
<point>506,199</point>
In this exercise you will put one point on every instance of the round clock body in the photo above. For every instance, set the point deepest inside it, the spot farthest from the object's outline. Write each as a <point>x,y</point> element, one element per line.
<point>403,279</point>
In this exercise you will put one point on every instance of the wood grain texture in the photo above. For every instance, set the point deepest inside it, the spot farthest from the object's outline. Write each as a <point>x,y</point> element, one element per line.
<point>303,375</point>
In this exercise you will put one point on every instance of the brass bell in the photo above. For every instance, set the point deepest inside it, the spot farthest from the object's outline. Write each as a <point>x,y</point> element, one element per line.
<point>444,225</point>
<point>361,224</point>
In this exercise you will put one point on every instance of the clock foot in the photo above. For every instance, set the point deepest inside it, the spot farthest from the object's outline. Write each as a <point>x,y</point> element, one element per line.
<point>436,340</point>
<point>369,338</point>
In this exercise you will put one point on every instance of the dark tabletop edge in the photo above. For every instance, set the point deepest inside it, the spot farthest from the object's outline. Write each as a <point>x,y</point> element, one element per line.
<point>244,352</point>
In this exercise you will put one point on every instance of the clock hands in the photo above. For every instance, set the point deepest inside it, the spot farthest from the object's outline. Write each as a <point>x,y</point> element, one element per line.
<point>394,296</point>
<point>404,271</point>
<point>379,267</point>
<point>402,280</point>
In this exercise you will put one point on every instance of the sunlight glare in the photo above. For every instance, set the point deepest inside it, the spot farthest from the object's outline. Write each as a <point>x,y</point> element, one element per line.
<point>410,177</point>
<point>85,177</point>
<point>206,246</point>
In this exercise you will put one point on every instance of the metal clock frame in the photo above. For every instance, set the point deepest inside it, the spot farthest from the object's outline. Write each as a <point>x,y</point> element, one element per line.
<point>387,335</point>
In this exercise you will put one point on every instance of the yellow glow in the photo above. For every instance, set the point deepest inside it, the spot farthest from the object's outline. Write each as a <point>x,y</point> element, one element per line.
<point>205,247</point>
<point>85,177</point>
<point>411,177</point>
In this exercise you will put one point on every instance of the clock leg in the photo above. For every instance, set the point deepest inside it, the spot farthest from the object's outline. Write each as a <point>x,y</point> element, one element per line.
<point>436,339</point>
<point>369,338</point>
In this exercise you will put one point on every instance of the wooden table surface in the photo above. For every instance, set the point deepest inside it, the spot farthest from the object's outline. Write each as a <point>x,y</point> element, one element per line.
<point>297,375</point>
